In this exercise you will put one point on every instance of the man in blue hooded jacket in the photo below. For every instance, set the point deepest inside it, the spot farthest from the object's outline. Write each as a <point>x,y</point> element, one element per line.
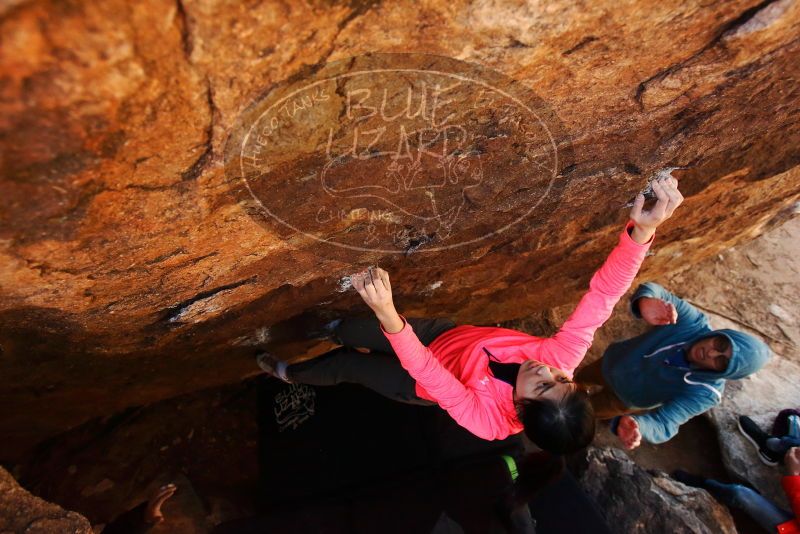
<point>657,381</point>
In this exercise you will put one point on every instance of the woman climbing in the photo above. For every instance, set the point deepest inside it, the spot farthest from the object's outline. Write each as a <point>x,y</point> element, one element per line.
<point>495,382</point>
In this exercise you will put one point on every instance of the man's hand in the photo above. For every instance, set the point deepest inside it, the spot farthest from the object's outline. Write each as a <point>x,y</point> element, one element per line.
<point>374,287</point>
<point>152,513</point>
<point>792,461</point>
<point>646,222</point>
<point>657,312</point>
<point>628,432</point>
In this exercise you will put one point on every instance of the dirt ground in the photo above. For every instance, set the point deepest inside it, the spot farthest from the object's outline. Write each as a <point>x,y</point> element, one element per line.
<point>754,287</point>
<point>210,437</point>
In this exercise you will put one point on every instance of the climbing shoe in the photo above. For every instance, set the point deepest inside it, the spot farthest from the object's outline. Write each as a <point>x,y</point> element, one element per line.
<point>272,366</point>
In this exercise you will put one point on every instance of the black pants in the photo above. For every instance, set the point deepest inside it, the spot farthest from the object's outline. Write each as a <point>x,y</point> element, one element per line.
<point>380,370</point>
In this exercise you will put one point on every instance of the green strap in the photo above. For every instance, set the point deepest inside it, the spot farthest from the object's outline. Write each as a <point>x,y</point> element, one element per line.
<point>512,466</point>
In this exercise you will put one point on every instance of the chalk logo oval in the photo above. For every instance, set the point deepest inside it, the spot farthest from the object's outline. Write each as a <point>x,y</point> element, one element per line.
<point>397,153</point>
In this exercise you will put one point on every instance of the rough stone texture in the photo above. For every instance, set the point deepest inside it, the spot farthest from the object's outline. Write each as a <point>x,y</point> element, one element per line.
<point>753,288</point>
<point>205,442</point>
<point>21,512</point>
<point>131,270</point>
<point>761,397</point>
<point>634,500</point>
<point>741,288</point>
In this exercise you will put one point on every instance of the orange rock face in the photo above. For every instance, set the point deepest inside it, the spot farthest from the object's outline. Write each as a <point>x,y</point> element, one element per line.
<point>24,512</point>
<point>157,224</point>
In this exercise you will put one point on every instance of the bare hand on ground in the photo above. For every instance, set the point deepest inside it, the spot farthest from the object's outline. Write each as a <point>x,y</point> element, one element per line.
<point>628,432</point>
<point>657,312</point>
<point>153,513</point>
<point>792,461</point>
<point>646,222</point>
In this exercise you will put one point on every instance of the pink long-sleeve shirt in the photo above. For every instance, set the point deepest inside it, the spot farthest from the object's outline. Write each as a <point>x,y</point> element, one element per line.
<point>454,370</point>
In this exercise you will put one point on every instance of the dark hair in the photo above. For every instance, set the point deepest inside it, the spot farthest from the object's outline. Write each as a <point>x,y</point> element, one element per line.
<point>559,427</point>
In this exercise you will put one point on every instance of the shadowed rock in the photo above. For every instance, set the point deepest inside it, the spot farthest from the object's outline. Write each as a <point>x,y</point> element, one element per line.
<point>22,512</point>
<point>133,267</point>
<point>761,397</point>
<point>634,500</point>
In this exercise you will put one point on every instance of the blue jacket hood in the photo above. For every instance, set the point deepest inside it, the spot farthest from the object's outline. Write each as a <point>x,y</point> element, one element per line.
<point>644,374</point>
<point>748,354</point>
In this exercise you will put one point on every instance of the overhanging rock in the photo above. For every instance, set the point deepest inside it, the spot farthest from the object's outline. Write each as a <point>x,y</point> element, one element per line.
<point>137,266</point>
